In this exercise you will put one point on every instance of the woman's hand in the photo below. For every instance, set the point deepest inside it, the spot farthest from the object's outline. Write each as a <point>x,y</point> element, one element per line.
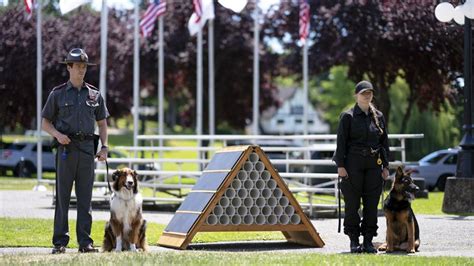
<point>341,171</point>
<point>385,173</point>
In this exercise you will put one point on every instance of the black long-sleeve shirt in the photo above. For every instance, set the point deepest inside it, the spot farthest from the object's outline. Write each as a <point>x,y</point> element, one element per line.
<point>357,129</point>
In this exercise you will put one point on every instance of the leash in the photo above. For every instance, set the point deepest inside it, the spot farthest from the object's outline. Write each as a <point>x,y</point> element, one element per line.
<point>107,176</point>
<point>383,191</point>
<point>339,202</point>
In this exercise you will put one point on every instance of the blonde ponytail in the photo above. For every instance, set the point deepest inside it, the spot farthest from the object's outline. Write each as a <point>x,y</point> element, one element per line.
<point>376,119</point>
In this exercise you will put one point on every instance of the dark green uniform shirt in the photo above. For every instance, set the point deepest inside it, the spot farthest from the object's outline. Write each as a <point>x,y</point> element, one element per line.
<point>356,129</point>
<point>75,111</point>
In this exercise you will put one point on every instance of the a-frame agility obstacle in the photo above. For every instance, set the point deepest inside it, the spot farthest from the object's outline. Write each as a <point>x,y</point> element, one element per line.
<point>239,191</point>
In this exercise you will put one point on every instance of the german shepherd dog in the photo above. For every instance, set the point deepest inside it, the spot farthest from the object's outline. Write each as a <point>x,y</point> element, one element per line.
<point>126,228</point>
<point>403,233</point>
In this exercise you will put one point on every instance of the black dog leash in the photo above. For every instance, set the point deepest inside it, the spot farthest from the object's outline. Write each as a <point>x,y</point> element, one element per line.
<point>107,176</point>
<point>383,191</point>
<point>339,202</point>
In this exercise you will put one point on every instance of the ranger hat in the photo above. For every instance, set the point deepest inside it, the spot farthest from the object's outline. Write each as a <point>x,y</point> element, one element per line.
<point>77,55</point>
<point>363,86</point>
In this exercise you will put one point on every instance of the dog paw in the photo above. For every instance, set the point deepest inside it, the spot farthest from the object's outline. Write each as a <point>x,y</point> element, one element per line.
<point>411,250</point>
<point>382,247</point>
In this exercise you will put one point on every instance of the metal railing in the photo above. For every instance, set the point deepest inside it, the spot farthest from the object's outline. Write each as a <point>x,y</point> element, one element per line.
<point>296,171</point>
<point>299,182</point>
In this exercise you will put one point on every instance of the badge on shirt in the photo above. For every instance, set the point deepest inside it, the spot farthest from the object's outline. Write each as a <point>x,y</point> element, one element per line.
<point>93,98</point>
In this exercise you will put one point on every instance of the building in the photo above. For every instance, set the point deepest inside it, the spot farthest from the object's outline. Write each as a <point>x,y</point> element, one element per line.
<point>288,118</point>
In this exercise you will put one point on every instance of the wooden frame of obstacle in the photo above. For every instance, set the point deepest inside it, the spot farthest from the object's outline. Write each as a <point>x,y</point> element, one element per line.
<point>217,178</point>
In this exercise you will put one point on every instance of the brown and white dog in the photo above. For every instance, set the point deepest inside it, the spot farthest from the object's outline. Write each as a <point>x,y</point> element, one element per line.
<point>126,228</point>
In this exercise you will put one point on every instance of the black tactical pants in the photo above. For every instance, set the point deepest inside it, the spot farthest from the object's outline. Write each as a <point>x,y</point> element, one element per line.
<point>364,183</point>
<point>76,166</point>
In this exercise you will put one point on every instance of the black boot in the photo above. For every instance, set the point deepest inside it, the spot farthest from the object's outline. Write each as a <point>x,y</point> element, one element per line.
<point>355,246</point>
<point>367,246</point>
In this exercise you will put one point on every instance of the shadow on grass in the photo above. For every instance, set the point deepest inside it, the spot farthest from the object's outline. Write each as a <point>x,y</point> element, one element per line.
<point>247,246</point>
<point>458,216</point>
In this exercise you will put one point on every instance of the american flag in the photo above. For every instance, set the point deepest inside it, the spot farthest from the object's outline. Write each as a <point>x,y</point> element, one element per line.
<point>197,9</point>
<point>154,10</point>
<point>29,7</point>
<point>304,20</point>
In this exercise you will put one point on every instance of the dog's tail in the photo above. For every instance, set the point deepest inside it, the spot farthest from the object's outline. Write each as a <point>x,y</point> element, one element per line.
<point>417,230</point>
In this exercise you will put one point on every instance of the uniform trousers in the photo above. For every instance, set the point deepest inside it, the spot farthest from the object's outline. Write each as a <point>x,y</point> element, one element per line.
<point>76,166</point>
<point>364,183</point>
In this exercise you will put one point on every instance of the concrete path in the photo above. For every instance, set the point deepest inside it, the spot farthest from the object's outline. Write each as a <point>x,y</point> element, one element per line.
<point>441,235</point>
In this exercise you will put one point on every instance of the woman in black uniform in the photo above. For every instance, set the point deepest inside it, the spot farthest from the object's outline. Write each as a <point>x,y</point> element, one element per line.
<point>362,161</point>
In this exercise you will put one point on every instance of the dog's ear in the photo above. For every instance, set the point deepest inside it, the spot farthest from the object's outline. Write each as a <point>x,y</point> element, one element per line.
<point>135,175</point>
<point>399,173</point>
<point>115,175</point>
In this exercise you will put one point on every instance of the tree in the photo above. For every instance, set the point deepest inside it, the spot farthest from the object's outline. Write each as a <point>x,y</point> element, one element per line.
<point>18,55</point>
<point>233,42</point>
<point>378,40</point>
<point>335,95</point>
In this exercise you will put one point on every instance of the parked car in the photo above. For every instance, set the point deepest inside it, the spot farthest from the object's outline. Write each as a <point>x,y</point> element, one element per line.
<point>436,167</point>
<point>21,158</point>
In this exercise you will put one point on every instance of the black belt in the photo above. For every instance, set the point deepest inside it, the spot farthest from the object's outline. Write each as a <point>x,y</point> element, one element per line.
<point>82,137</point>
<point>364,151</point>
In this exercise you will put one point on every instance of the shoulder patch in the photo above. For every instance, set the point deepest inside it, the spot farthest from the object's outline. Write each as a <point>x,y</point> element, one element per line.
<point>90,86</point>
<point>64,85</point>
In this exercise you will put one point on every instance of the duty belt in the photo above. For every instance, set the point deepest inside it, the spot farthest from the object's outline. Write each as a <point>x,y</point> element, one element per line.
<point>365,151</point>
<point>82,137</point>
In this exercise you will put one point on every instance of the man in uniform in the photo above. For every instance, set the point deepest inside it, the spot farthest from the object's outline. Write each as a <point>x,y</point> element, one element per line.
<point>69,115</point>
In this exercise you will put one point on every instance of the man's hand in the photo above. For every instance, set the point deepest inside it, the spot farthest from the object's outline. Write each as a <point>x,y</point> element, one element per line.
<point>385,173</point>
<point>102,154</point>
<point>63,139</point>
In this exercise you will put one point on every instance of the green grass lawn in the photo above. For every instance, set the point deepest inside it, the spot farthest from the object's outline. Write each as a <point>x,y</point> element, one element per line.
<point>17,183</point>
<point>191,257</point>
<point>432,205</point>
<point>37,233</point>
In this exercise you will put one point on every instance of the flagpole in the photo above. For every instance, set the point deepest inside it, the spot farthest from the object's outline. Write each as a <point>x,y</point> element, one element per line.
<point>305,87</point>
<point>136,77</point>
<point>199,89</point>
<point>103,49</point>
<point>211,79</point>
<point>39,95</point>
<point>160,81</point>
<point>256,71</point>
